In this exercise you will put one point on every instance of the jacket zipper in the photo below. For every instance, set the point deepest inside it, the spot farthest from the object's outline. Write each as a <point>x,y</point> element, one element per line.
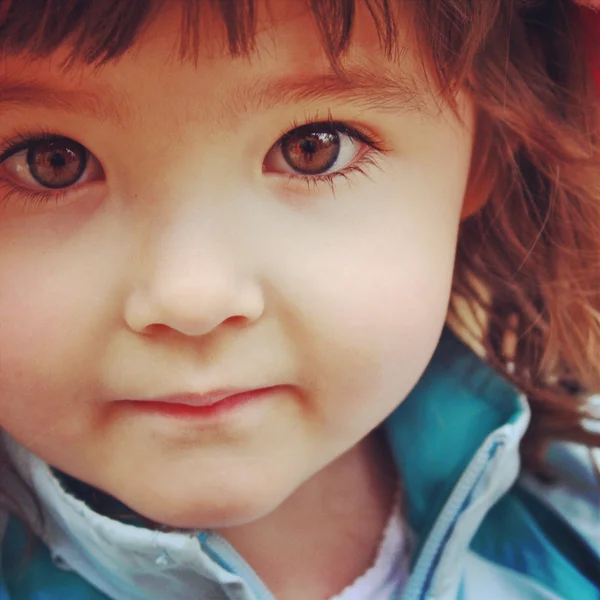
<point>420,579</point>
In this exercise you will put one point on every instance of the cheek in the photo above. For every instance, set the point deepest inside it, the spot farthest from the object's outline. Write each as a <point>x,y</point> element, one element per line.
<point>40,359</point>
<point>52,324</point>
<point>376,291</point>
<point>58,276</point>
<point>374,310</point>
<point>34,315</point>
<point>33,312</point>
<point>43,286</point>
<point>388,307</point>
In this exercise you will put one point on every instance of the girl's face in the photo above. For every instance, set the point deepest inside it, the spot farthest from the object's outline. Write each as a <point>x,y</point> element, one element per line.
<point>160,236</point>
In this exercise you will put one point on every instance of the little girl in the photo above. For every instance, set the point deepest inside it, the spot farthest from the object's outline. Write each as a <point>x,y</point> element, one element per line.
<point>298,300</point>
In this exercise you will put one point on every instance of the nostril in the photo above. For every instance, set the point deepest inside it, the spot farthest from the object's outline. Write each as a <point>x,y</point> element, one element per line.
<point>236,321</point>
<point>155,330</point>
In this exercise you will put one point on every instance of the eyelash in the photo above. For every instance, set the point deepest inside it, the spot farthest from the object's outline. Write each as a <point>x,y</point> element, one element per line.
<point>24,139</point>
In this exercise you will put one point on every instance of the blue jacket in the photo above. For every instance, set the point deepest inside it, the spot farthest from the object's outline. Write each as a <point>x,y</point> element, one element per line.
<point>484,530</point>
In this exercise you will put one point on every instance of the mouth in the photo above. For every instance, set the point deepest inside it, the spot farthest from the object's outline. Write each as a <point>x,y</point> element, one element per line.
<point>191,405</point>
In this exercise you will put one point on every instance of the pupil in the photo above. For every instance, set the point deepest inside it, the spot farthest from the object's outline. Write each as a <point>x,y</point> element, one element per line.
<point>309,146</point>
<point>58,160</point>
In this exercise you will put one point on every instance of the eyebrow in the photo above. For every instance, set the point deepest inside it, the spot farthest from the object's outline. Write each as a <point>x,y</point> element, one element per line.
<point>361,89</point>
<point>108,106</point>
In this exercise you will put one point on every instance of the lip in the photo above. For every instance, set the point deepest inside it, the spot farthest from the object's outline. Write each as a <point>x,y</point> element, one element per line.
<point>210,404</point>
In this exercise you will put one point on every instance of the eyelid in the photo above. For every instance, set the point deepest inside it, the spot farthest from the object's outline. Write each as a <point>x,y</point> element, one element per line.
<point>354,131</point>
<point>22,140</point>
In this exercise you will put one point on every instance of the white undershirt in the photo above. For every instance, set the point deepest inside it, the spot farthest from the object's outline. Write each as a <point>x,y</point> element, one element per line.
<point>387,576</point>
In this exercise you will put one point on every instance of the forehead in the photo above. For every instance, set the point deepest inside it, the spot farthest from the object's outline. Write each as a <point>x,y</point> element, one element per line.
<point>288,63</point>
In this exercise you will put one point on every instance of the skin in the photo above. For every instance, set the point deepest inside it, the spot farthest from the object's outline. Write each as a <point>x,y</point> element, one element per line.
<point>184,264</point>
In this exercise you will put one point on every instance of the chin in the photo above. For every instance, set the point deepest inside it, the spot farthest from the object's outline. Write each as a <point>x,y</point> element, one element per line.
<point>214,512</point>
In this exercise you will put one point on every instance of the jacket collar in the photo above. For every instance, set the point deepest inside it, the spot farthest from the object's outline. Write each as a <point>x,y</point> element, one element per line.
<point>457,403</point>
<point>455,440</point>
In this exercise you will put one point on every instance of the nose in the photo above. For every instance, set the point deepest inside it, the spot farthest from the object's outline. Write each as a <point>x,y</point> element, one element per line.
<point>192,284</point>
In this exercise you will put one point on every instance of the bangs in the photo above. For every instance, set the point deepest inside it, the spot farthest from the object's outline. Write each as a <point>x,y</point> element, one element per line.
<point>98,31</point>
<point>452,35</point>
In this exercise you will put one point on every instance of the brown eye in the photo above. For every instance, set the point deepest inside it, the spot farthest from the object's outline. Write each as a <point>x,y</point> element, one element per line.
<point>57,163</point>
<point>316,149</point>
<point>311,151</point>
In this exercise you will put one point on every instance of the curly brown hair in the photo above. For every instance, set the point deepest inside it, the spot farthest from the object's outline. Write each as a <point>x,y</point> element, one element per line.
<point>527,278</point>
